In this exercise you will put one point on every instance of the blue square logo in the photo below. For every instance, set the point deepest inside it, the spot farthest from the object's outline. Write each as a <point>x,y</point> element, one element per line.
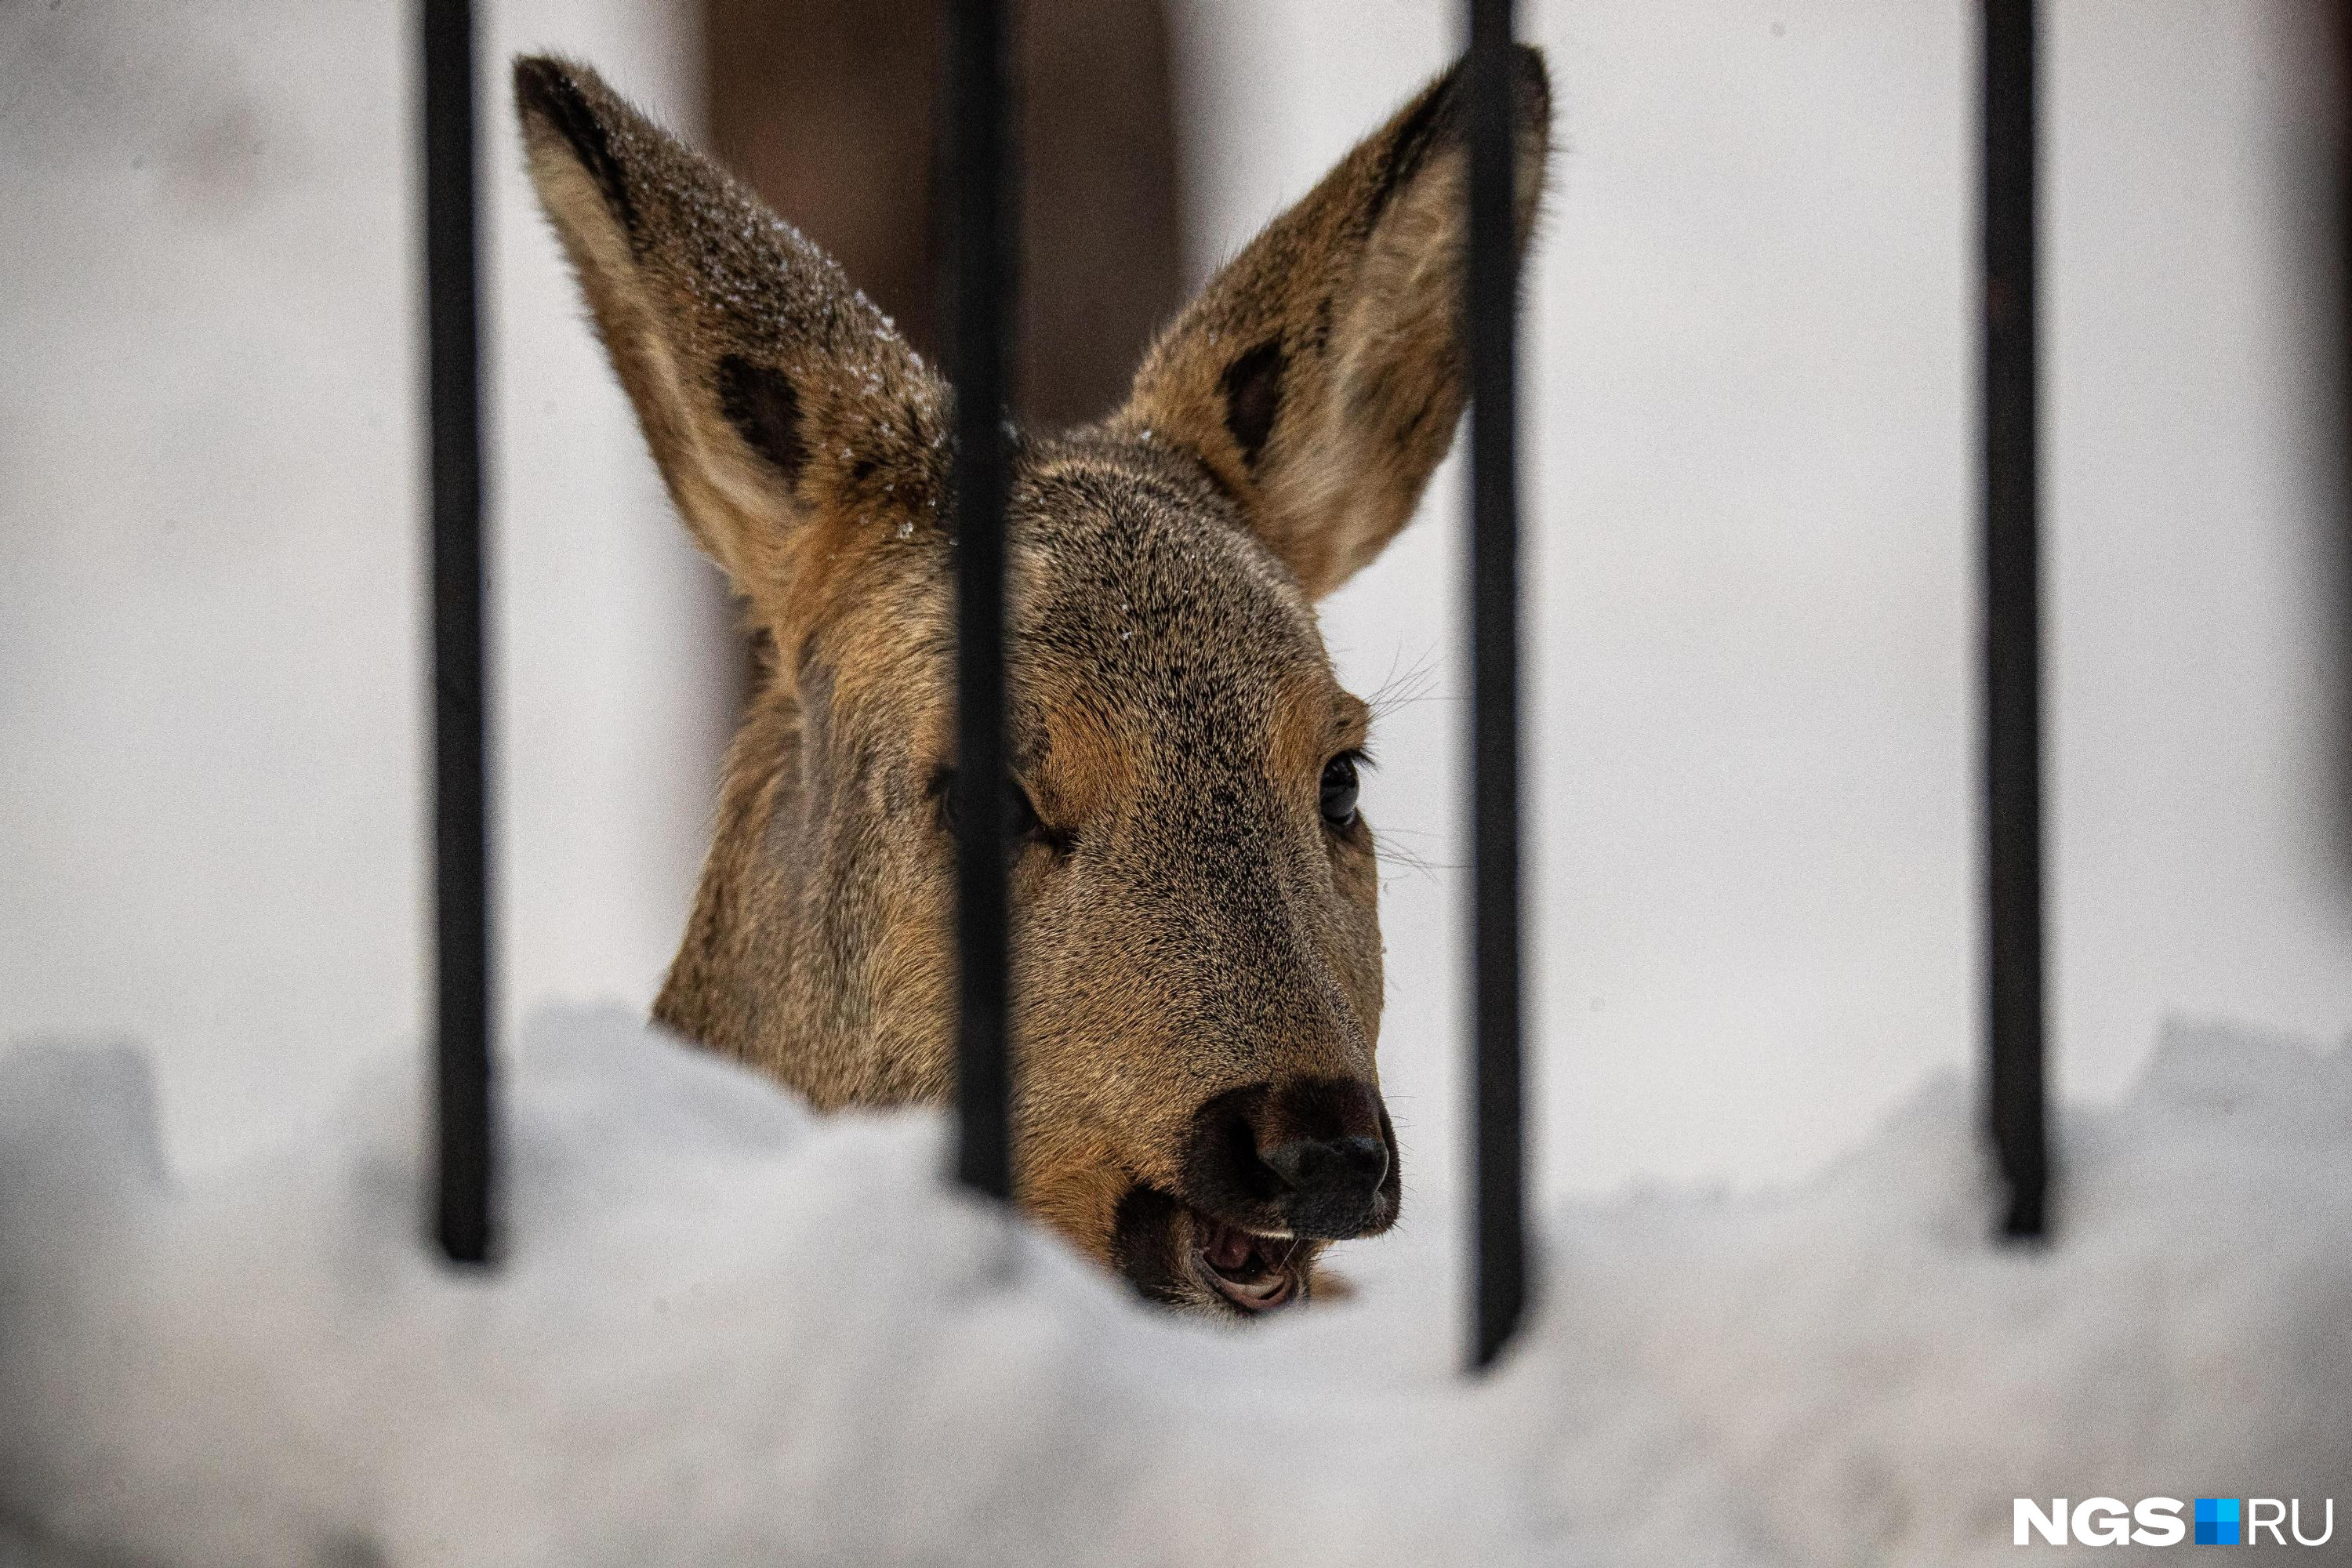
<point>2216,1521</point>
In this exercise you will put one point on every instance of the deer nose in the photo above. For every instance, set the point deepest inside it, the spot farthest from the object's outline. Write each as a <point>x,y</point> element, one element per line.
<point>1334,1183</point>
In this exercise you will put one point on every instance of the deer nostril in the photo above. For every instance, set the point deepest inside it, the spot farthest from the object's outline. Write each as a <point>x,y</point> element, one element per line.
<point>1313,1157</point>
<point>1313,1167</point>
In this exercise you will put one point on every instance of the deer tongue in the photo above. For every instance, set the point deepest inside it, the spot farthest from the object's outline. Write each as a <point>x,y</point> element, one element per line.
<point>1243,1272</point>
<point>1230,1250</point>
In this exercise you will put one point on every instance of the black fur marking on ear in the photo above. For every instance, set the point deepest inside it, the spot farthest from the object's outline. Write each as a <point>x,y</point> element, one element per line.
<point>1439,120</point>
<point>760,402</point>
<point>1253,398</point>
<point>542,87</point>
<point>1435,120</point>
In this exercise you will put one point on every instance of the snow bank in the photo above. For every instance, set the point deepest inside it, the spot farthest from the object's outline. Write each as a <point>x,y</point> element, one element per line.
<point>1862,1379</point>
<point>726,1332</point>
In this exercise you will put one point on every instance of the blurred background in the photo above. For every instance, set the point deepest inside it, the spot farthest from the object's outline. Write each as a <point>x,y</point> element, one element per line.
<point>1750,494</point>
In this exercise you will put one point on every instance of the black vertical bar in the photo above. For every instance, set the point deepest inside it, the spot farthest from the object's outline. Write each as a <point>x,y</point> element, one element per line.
<point>1498,1124</point>
<point>462,1149</point>
<point>980,312</point>
<point>2012,625</point>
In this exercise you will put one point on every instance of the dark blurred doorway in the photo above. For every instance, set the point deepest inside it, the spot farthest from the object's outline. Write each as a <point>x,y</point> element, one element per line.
<point>825,107</point>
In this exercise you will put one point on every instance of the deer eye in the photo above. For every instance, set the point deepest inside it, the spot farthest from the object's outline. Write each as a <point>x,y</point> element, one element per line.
<point>1021,812</point>
<point>1339,790</point>
<point>1021,820</point>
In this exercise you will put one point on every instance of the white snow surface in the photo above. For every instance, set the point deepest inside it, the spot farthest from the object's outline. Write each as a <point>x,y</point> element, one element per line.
<point>726,1331</point>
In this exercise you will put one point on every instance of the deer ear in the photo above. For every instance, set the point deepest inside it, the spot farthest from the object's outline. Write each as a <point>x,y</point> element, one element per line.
<point>773,393</point>
<point>1321,374</point>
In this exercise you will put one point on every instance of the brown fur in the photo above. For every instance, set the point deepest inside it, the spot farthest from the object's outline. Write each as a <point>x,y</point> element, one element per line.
<point>1197,954</point>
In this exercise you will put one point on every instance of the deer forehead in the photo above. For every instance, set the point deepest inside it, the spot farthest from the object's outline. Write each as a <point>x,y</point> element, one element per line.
<point>1154,641</point>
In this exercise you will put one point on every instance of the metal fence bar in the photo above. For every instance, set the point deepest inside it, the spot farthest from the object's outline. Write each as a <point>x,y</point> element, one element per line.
<point>1498,1121</point>
<point>463,1139</point>
<point>979,314</point>
<point>2013,626</point>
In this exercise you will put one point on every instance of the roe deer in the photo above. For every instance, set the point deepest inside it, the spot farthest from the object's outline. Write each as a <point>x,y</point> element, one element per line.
<point>1197,952</point>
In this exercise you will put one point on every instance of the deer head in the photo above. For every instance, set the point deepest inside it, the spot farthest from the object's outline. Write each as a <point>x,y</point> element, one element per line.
<point>1197,952</point>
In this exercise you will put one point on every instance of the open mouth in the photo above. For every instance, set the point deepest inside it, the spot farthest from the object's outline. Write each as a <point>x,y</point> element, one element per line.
<point>1180,1254</point>
<point>1255,1273</point>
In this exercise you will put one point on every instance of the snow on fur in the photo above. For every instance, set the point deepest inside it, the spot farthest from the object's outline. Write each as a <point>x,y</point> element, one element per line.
<point>725,1331</point>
